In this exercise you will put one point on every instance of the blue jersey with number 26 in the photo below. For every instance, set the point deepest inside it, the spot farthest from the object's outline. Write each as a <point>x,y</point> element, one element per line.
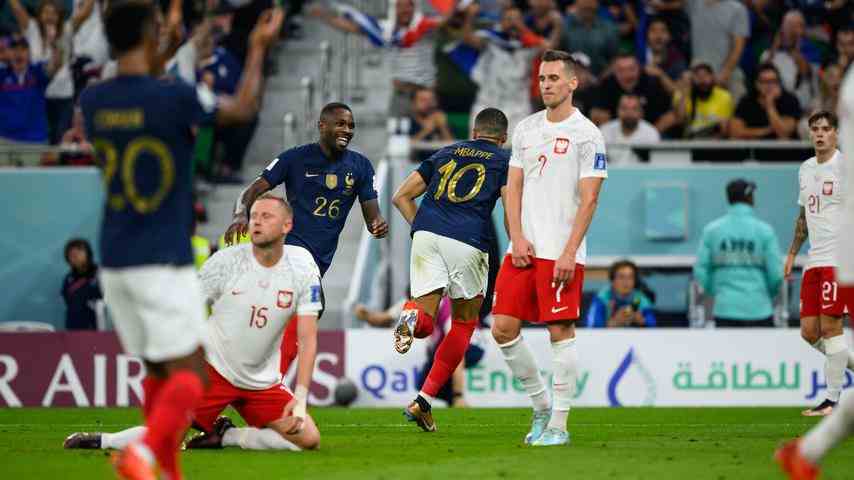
<point>463,182</point>
<point>140,128</point>
<point>321,192</point>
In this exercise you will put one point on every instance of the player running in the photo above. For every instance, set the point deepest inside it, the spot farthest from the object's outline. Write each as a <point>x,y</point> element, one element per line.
<point>141,129</point>
<point>800,458</point>
<point>822,302</point>
<point>557,168</point>
<point>322,181</point>
<point>451,234</point>
<point>265,283</point>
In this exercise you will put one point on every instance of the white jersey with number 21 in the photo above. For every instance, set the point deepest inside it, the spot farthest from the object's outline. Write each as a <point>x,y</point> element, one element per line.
<point>822,195</point>
<point>251,308</point>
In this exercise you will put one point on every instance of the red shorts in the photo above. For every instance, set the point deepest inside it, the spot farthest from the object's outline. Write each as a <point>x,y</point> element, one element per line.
<point>528,294</point>
<point>257,407</point>
<point>821,295</point>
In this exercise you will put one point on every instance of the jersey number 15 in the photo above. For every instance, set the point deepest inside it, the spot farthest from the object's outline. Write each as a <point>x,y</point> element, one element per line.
<point>450,178</point>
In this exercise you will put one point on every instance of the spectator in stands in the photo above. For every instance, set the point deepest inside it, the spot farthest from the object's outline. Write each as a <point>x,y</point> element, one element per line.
<point>623,303</point>
<point>545,20</point>
<point>629,127</point>
<point>409,37</point>
<point>838,16</point>
<point>80,288</point>
<point>703,107</point>
<point>628,78</point>
<point>796,57</point>
<point>844,47</point>
<point>770,113</point>
<point>622,14</point>
<point>454,86</point>
<point>662,59</point>
<point>672,12</point>
<point>5,53</point>
<point>76,136</point>
<point>719,31</point>
<point>428,121</point>
<point>585,95</point>
<point>584,31</point>
<point>503,66</point>
<point>22,97</point>
<point>830,82</point>
<point>43,33</point>
<point>739,262</point>
<point>89,46</point>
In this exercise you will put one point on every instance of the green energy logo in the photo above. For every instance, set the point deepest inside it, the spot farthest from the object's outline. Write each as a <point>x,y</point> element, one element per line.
<point>738,377</point>
<point>481,381</point>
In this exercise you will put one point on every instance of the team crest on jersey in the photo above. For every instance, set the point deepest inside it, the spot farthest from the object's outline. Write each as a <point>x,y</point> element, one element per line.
<point>331,181</point>
<point>349,181</point>
<point>827,188</point>
<point>285,299</point>
<point>561,145</point>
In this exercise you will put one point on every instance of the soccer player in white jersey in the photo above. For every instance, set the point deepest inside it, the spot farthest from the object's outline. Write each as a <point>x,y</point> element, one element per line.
<point>556,170</point>
<point>254,290</point>
<point>822,302</point>
<point>799,459</point>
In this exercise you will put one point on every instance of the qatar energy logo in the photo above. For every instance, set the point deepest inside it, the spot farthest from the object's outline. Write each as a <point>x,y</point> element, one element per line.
<point>632,381</point>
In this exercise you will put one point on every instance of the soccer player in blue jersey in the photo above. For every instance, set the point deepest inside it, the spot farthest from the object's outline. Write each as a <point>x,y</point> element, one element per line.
<point>322,181</point>
<point>451,230</point>
<point>141,129</point>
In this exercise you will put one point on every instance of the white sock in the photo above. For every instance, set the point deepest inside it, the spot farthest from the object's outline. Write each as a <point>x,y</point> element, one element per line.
<point>251,438</point>
<point>120,440</point>
<point>429,399</point>
<point>819,345</point>
<point>564,373</point>
<point>834,367</point>
<point>521,362</point>
<point>830,431</point>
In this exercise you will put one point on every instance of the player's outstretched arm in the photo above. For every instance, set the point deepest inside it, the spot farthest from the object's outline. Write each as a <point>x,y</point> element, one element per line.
<point>523,251</point>
<point>244,202</point>
<point>244,105</point>
<point>801,235</point>
<point>588,188</point>
<point>307,341</point>
<point>404,198</point>
<point>374,221</point>
<point>329,17</point>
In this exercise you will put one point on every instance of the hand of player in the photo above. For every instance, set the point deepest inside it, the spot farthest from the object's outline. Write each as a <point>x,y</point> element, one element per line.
<point>379,227</point>
<point>361,312</point>
<point>523,252</point>
<point>787,267</point>
<point>267,28</point>
<point>236,230</point>
<point>292,423</point>
<point>564,270</point>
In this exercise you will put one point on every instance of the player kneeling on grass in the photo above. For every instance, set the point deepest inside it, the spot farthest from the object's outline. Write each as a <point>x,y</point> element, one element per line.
<point>254,290</point>
<point>451,233</point>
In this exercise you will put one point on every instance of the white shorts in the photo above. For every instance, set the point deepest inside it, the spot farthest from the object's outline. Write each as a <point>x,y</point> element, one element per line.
<point>441,262</point>
<point>158,310</point>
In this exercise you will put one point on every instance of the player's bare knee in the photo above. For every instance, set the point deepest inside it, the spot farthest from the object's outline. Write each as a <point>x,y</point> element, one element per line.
<point>810,330</point>
<point>831,326</point>
<point>504,330</point>
<point>310,439</point>
<point>561,330</point>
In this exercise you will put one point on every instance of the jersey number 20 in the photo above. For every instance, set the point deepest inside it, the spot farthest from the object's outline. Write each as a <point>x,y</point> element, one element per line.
<point>143,204</point>
<point>450,178</point>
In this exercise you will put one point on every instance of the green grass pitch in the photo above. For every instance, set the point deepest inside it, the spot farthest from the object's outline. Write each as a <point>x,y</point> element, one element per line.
<point>628,443</point>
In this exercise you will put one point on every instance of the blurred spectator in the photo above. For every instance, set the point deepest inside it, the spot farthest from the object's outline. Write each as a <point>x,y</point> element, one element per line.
<point>584,96</point>
<point>796,57</point>
<point>428,121</point>
<point>673,13</point>
<point>76,136</point>
<point>844,47</point>
<point>89,46</point>
<point>408,35</point>
<point>545,20</point>
<point>703,107</point>
<point>584,31</point>
<point>503,68</point>
<point>45,32</point>
<point>662,59</point>
<point>454,86</point>
<point>628,78</point>
<point>739,262</point>
<point>838,16</point>
<point>629,127</point>
<point>80,289</point>
<point>622,303</point>
<point>622,14</point>
<point>5,52</point>
<point>22,97</point>
<point>719,31</point>
<point>770,113</point>
<point>830,82</point>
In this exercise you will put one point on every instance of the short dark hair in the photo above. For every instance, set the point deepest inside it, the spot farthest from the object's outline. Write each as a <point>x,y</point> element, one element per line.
<point>560,56</point>
<point>276,198</point>
<point>330,108</point>
<point>630,96</point>
<point>623,263</point>
<point>491,122</point>
<point>657,20</point>
<point>767,66</point>
<point>126,22</point>
<point>81,243</point>
<point>831,118</point>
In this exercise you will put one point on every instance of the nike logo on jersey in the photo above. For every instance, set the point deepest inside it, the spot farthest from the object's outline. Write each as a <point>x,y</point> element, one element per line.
<point>237,292</point>
<point>558,310</point>
<point>825,307</point>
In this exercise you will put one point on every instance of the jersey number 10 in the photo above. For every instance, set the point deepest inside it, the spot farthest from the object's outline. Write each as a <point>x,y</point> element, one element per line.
<point>450,178</point>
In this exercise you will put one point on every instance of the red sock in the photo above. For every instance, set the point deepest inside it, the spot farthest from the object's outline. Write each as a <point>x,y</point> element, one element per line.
<point>151,386</point>
<point>289,347</point>
<point>423,322</point>
<point>169,418</point>
<point>448,356</point>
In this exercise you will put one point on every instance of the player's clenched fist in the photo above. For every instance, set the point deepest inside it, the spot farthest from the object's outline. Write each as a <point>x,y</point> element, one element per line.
<point>523,252</point>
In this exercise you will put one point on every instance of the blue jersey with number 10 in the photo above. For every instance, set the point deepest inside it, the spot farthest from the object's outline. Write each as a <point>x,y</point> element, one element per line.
<point>463,182</point>
<point>140,128</point>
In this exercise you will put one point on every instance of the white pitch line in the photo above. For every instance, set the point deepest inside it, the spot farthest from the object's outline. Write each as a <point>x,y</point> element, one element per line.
<point>481,425</point>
